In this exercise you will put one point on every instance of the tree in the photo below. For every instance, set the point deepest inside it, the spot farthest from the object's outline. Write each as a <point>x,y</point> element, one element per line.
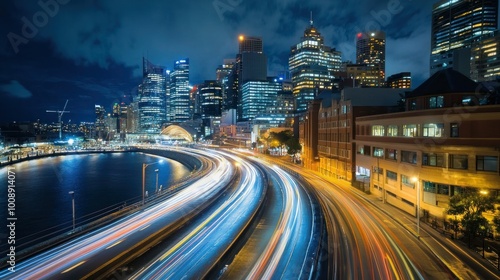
<point>281,137</point>
<point>293,146</point>
<point>496,221</point>
<point>471,204</point>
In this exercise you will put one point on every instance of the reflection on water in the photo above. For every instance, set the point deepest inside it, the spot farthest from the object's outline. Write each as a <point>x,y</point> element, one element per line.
<point>98,180</point>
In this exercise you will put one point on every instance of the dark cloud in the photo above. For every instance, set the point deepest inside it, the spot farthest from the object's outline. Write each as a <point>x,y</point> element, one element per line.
<point>15,89</point>
<point>93,49</point>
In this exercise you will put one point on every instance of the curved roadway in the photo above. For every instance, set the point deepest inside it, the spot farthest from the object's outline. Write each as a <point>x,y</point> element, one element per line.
<point>362,243</point>
<point>93,253</point>
<point>200,248</point>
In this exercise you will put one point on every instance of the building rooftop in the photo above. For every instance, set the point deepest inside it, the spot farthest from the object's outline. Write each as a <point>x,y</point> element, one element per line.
<point>363,96</point>
<point>445,81</point>
<point>373,96</point>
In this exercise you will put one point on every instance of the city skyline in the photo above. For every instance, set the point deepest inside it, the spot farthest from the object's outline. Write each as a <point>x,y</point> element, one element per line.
<point>92,54</point>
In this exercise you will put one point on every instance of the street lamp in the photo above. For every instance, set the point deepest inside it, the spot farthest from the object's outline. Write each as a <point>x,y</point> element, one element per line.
<point>156,188</point>
<point>144,166</point>
<point>417,181</point>
<point>72,193</point>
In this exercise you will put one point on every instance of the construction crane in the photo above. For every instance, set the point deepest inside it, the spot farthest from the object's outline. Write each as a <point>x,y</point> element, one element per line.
<point>59,117</point>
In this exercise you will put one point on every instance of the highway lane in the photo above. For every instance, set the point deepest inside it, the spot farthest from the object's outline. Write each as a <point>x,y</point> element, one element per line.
<point>95,251</point>
<point>200,248</point>
<point>364,244</point>
<point>292,243</point>
<point>285,255</point>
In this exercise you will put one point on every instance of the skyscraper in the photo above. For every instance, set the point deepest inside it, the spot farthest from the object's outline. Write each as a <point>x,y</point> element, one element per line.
<point>485,64</point>
<point>312,66</point>
<point>250,44</point>
<point>100,125</point>
<point>251,65</point>
<point>210,99</point>
<point>257,96</point>
<point>152,95</point>
<point>223,74</point>
<point>179,92</point>
<point>370,50</point>
<point>456,24</point>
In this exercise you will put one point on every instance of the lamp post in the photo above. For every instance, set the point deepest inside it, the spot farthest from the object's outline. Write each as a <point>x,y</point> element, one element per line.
<point>72,193</point>
<point>417,181</point>
<point>156,187</point>
<point>144,166</point>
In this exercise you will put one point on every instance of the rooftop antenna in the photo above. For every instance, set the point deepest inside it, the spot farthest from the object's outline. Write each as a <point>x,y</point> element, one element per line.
<point>59,117</point>
<point>311,21</point>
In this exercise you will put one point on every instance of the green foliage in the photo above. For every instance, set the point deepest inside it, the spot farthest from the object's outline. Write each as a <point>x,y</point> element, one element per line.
<point>471,204</point>
<point>293,146</point>
<point>282,137</point>
<point>496,222</point>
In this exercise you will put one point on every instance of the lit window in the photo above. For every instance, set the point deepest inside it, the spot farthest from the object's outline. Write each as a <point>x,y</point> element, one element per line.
<point>378,130</point>
<point>433,130</point>
<point>410,130</point>
<point>407,181</point>
<point>378,152</point>
<point>392,130</point>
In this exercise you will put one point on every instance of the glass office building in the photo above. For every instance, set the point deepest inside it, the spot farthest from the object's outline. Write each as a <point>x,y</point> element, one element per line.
<point>312,66</point>
<point>257,96</point>
<point>179,107</point>
<point>152,98</point>
<point>457,24</point>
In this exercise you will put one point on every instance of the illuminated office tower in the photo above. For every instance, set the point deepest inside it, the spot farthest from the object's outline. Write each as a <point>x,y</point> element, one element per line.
<point>364,75</point>
<point>399,80</point>
<point>251,65</point>
<point>210,96</point>
<point>485,64</point>
<point>210,99</point>
<point>456,25</point>
<point>250,44</point>
<point>152,94</point>
<point>312,66</point>
<point>257,96</point>
<point>180,108</point>
<point>223,76</point>
<point>100,124</point>
<point>370,50</point>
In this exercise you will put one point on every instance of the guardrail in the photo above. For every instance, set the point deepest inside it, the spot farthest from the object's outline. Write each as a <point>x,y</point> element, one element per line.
<point>65,153</point>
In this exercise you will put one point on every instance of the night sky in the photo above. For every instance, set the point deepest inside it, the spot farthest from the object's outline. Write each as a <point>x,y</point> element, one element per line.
<point>90,51</point>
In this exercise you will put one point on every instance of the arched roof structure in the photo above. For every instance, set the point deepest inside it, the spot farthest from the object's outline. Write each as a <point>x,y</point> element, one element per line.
<point>177,133</point>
